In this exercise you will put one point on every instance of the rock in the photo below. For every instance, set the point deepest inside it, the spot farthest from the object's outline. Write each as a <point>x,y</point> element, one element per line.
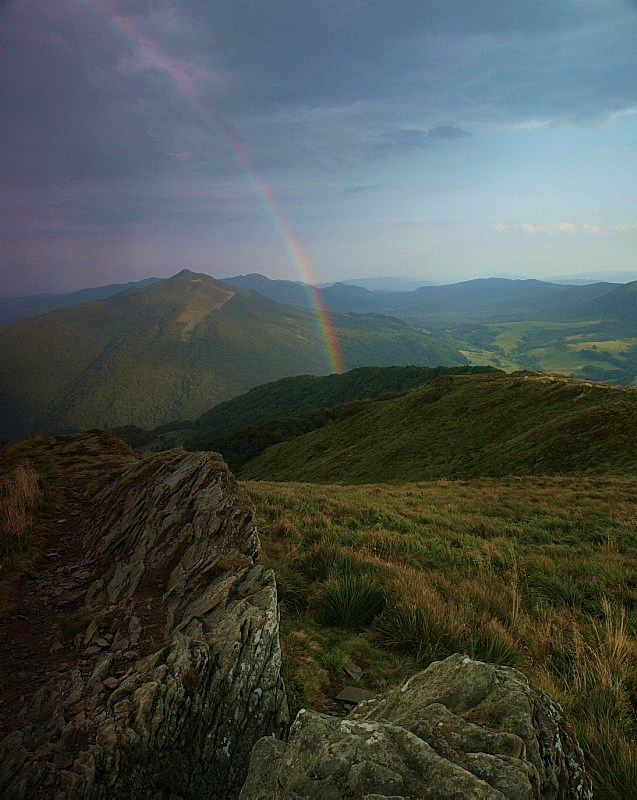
<point>63,760</point>
<point>459,729</point>
<point>101,670</point>
<point>201,647</point>
<point>354,695</point>
<point>353,670</point>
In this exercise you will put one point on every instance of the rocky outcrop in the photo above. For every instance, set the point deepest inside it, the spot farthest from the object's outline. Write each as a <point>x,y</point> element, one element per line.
<point>459,729</point>
<point>174,674</point>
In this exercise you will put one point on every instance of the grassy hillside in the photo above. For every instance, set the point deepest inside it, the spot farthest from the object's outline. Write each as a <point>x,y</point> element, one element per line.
<point>468,426</point>
<point>536,573</point>
<point>302,401</point>
<point>173,350</point>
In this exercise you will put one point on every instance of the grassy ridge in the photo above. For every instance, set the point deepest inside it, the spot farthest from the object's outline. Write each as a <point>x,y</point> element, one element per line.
<point>469,426</point>
<point>537,573</point>
<point>282,409</point>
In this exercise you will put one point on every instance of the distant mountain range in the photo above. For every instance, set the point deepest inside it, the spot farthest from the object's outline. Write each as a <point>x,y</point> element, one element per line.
<point>465,426</point>
<point>175,348</point>
<point>480,300</point>
<point>13,308</point>
<point>385,283</point>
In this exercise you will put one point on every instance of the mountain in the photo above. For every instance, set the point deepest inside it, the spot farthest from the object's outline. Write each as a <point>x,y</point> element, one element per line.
<point>612,276</point>
<point>13,308</point>
<point>423,301</point>
<point>480,296</point>
<point>480,299</point>
<point>388,283</point>
<point>291,293</point>
<point>468,426</point>
<point>619,302</point>
<point>174,349</point>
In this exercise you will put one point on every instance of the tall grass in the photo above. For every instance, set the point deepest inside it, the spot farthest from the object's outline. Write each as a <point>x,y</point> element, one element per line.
<point>353,601</point>
<point>20,496</point>
<point>536,573</point>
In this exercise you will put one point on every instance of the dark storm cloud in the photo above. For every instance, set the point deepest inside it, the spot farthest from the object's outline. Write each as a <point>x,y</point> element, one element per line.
<point>308,87</point>
<point>310,82</point>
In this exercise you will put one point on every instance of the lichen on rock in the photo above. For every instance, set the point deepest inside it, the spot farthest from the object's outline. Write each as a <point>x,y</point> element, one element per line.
<point>459,729</point>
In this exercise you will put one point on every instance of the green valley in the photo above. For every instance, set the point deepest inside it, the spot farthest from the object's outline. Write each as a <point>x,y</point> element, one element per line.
<point>588,349</point>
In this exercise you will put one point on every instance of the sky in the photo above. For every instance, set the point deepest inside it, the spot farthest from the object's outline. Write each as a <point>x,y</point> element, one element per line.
<point>316,140</point>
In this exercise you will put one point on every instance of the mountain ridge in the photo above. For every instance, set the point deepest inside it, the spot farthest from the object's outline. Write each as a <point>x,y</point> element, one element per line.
<point>174,349</point>
<point>461,427</point>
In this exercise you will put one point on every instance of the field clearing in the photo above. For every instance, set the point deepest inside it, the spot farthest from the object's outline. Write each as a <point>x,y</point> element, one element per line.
<point>611,345</point>
<point>537,573</point>
<point>489,358</point>
<point>570,348</point>
<point>512,333</point>
<point>564,361</point>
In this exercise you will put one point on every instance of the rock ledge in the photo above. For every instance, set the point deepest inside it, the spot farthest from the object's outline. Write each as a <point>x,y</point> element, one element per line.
<point>459,729</point>
<point>176,672</point>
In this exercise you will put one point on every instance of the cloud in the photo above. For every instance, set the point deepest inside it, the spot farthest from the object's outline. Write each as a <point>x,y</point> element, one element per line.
<point>564,227</point>
<point>500,227</point>
<point>109,118</point>
<point>447,132</point>
<point>560,227</point>
<point>310,85</point>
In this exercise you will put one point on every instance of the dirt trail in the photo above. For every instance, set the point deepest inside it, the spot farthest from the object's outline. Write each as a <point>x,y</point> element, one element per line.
<point>36,641</point>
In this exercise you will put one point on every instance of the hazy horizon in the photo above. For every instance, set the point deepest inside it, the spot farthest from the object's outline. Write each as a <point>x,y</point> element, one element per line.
<point>432,140</point>
<point>607,277</point>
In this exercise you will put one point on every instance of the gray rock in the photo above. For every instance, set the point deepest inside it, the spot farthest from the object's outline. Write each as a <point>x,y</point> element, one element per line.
<point>353,695</point>
<point>459,729</point>
<point>173,553</point>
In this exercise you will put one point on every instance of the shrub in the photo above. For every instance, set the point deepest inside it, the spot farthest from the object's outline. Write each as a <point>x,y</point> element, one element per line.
<point>291,586</point>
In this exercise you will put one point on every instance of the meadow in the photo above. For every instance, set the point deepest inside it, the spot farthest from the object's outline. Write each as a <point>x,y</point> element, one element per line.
<point>586,349</point>
<point>535,573</point>
<point>539,573</point>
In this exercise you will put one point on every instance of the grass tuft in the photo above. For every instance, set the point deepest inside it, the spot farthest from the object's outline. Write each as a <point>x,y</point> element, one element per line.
<point>350,600</point>
<point>20,498</point>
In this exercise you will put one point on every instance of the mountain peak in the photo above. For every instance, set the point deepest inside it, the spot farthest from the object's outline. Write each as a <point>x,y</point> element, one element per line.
<point>187,275</point>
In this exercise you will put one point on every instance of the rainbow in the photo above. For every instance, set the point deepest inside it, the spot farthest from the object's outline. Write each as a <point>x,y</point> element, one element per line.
<point>181,78</point>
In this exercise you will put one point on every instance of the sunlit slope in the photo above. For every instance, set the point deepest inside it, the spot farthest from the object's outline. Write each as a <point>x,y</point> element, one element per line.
<point>175,349</point>
<point>469,426</point>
